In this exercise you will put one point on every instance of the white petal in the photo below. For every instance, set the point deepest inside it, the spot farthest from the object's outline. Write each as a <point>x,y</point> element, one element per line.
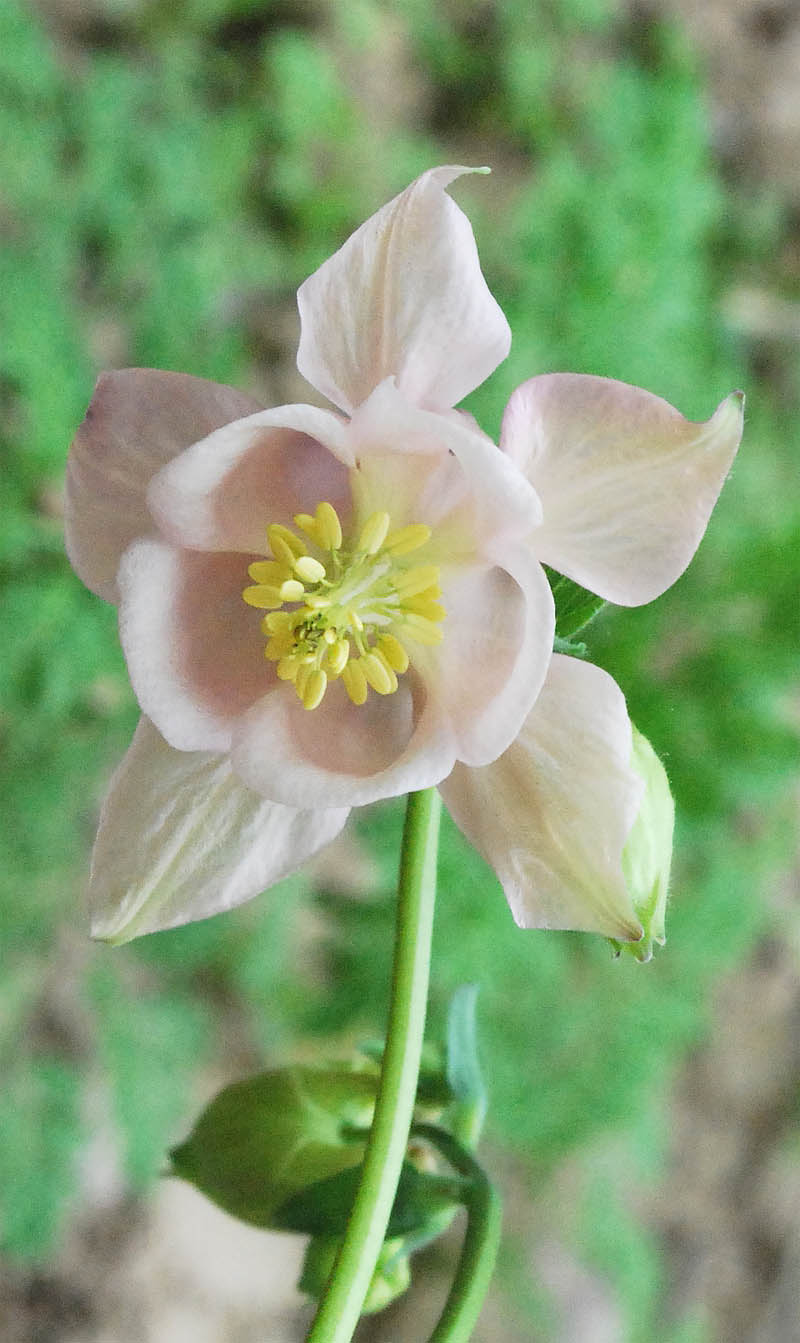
<point>627,484</point>
<point>137,420</point>
<point>222,493</point>
<point>492,662</point>
<point>341,754</point>
<point>552,815</point>
<point>181,838</point>
<point>405,296</point>
<point>422,466</point>
<point>195,650</point>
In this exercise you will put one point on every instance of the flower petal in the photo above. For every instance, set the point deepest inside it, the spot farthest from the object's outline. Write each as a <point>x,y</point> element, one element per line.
<point>342,754</point>
<point>194,649</point>
<point>222,493</point>
<point>453,465</point>
<point>405,296</point>
<point>492,662</point>
<point>553,813</point>
<point>627,484</point>
<point>138,419</point>
<point>181,838</point>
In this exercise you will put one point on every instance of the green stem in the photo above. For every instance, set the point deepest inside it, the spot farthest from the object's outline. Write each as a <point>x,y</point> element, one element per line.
<point>350,1278</point>
<point>481,1241</point>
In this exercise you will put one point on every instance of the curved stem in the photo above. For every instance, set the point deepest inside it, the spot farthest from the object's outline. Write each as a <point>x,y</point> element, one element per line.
<point>352,1273</point>
<point>481,1241</point>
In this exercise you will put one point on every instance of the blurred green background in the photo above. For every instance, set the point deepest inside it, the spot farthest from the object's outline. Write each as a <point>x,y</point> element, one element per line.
<point>169,173</point>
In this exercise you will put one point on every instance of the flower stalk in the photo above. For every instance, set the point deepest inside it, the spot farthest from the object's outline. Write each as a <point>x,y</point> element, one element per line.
<point>352,1272</point>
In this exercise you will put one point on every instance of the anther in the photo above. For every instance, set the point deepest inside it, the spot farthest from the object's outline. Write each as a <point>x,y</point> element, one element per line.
<point>416,580</point>
<point>314,689</point>
<point>328,526</point>
<point>406,539</point>
<point>308,569</point>
<point>262,596</point>
<point>394,652</point>
<point>337,656</point>
<point>268,571</point>
<point>373,533</point>
<point>292,590</point>
<point>378,675</point>
<point>421,629</point>
<point>285,546</point>
<point>354,681</point>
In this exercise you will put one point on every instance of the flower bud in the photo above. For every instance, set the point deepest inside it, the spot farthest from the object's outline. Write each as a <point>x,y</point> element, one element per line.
<point>391,1278</point>
<point>263,1141</point>
<point>647,854</point>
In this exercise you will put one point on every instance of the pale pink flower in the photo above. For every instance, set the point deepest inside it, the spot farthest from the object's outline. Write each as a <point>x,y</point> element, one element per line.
<point>396,627</point>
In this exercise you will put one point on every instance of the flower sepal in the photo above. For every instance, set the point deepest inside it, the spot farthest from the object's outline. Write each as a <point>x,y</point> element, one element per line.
<point>575,607</point>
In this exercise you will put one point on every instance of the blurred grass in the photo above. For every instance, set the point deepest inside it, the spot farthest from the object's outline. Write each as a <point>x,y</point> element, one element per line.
<point>170,171</point>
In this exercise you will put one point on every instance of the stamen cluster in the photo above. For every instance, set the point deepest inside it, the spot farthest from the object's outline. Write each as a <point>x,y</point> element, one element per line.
<point>338,611</point>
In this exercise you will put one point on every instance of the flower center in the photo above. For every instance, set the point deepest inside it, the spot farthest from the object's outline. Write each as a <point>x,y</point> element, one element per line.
<point>344,611</point>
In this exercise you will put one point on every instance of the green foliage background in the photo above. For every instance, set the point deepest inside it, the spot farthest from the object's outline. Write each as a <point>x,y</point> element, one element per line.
<point>170,173</point>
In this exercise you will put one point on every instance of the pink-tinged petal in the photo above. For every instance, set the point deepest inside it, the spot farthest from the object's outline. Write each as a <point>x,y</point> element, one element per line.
<point>181,838</point>
<point>457,480</point>
<point>405,296</point>
<point>342,754</point>
<point>194,649</point>
<point>137,420</point>
<point>552,815</point>
<point>498,640</point>
<point>627,484</point>
<point>222,493</point>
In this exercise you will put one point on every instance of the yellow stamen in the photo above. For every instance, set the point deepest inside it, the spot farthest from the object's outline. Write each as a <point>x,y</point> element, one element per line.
<point>267,571</point>
<point>329,527</point>
<point>394,652</point>
<point>353,603</point>
<point>373,533</point>
<point>406,539</point>
<point>314,689</point>
<point>423,606</point>
<point>416,580</point>
<point>262,596</point>
<point>378,675</point>
<point>280,645</point>
<point>292,590</point>
<point>337,656</point>
<point>310,526</point>
<point>304,673</point>
<point>424,631</point>
<point>288,667</point>
<point>355,682</point>
<point>309,570</point>
<point>377,653</point>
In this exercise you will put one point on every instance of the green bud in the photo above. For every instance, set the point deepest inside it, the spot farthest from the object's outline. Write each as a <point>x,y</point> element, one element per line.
<point>647,854</point>
<point>262,1141</point>
<point>391,1278</point>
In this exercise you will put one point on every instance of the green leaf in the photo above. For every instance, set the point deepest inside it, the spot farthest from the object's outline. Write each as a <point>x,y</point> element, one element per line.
<point>575,607</point>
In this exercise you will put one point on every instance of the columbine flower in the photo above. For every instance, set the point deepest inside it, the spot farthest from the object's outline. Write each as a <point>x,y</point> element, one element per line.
<point>321,608</point>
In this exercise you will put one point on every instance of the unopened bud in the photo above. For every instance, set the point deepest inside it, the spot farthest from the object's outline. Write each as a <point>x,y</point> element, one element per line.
<point>647,855</point>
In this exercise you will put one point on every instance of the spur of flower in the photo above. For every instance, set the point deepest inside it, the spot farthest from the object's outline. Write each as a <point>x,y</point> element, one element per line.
<point>320,608</point>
